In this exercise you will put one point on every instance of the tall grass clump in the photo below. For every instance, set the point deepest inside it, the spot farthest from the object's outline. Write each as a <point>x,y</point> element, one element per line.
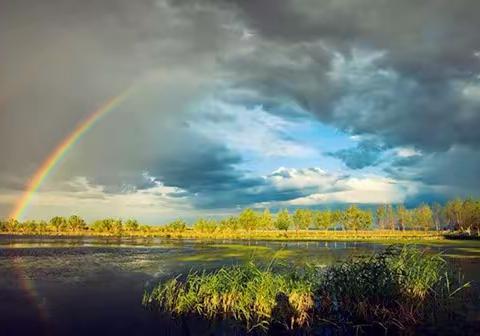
<point>257,297</point>
<point>397,289</point>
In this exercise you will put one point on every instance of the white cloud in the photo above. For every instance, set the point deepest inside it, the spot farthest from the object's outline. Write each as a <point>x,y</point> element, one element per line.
<point>406,152</point>
<point>81,197</point>
<point>251,129</point>
<point>329,188</point>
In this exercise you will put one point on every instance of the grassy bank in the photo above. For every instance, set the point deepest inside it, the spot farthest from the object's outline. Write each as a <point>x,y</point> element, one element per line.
<point>396,290</point>
<point>300,235</point>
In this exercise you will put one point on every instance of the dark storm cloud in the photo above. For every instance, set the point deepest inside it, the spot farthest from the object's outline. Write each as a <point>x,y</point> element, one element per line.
<point>408,96</point>
<point>404,72</point>
<point>366,153</point>
<point>407,72</point>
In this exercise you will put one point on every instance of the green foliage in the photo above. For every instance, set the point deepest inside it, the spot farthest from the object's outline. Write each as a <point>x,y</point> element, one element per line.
<point>424,217</point>
<point>357,219</point>
<point>265,220</point>
<point>283,220</point>
<point>247,293</point>
<point>76,224</point>
<point>230,223</point>
<point>395,289</point>
<point>131,225</point>
<point>462,215</point>
<point>302,219</point>
<point>323,219</point>
<point>248,219</point>
<point>58,223</point>
<point>176,226</point>
<point>205,225</point>
<point>108,225</point>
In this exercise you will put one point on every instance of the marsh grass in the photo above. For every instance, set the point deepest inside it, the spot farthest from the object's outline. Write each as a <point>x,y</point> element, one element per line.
<point>245,293</point>
<point>396,289</point>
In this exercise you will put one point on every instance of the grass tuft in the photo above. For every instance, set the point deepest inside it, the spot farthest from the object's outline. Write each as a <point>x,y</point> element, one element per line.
<point>395,289</point>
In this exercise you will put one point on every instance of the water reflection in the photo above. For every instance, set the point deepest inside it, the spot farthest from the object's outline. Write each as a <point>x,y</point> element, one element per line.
<point>94,285</point>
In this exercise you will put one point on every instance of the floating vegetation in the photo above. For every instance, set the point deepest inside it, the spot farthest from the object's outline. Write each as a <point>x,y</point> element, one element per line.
<point>396,289</point>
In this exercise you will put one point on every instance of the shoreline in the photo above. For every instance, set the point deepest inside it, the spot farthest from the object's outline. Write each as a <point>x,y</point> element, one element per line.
<point>274,235</point>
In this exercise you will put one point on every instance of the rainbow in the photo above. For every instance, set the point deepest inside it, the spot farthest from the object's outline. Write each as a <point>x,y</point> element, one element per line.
<point>59,152</point>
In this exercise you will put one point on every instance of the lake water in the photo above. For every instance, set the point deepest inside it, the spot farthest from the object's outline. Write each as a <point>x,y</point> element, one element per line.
<point>90,286</point>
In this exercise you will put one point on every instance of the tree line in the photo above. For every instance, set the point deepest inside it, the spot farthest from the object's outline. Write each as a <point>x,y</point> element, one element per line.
<point>459,215</point>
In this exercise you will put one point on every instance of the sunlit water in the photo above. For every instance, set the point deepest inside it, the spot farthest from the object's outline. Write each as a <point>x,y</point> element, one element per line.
<point>88,286</point>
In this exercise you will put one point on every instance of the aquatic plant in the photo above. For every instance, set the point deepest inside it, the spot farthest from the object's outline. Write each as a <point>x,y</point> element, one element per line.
<point>246,293</point>
<point>395,289</point>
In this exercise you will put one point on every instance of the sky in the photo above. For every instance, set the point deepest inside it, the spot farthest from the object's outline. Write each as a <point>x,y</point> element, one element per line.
<point>263,104</point>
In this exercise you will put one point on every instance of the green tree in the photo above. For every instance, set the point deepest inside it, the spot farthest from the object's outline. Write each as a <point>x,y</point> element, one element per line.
<point>131,225</point>
<point>42,226</point>
<point>390,217</point>
<point>453,212</point>
<point>3,226</point>
<point>470,215</point>
<point>302,219</point>
<point>205,225</point>
<point>176,226</point>
<point>58,223</point>
<point>265,220</point>
<point>403,216</point>
<point>424,217</point>
<point>76,224</point>
<point>381,217</point>
<point>248,219</point>
<point>30,226</point>
<point>12,225</point>
<point>357,219</point>
<point>323,219</point>
<point>337,218</point>
<point>116,226</point>
<point>283,220</point>
<point>437,211</point>
<point>230,223</point>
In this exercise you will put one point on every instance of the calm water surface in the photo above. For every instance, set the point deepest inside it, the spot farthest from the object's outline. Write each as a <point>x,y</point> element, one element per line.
<point>90,286</point>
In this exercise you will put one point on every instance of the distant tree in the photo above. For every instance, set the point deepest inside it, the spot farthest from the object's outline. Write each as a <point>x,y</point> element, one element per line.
<point>438,212</point>
<point>42,226</point>
<point>323,219</point>
<point>390,216</point>
<point>116,226</point>
<point>302,219</point>
<point>131,225</point>
<point>58,223</point>
<point>265,220</point>
<point>381,216</point>
<point>100,226</point>
<point>453,212</point>
<point>470,216</point>
<point>176,226</point>
<point>366,220</point>
<point>424,217</point>
<point>205,225</point>
<point>3,226</point>
<point>230,223</point>
<point>30,226</point>
<point>12,225</point>
<point>248,219</point>
<point>283,220</point>
<point>403,216</point>
<point>337,218</point>
<point>108,225</point>
<point>357,219</point>
<point>76,224</point>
